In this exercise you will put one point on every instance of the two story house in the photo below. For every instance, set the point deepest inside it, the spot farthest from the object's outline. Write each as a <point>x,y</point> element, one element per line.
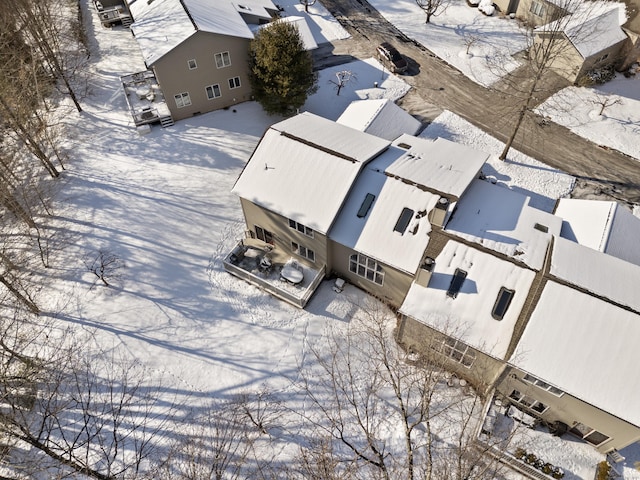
<point>198,49</point>
<point>502,293</point>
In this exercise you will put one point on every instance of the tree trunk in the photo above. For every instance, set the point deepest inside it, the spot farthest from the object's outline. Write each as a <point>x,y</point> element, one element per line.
<point>33,308</point>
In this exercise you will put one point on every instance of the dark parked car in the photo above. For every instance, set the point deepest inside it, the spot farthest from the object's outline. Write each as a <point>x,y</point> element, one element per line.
<point>389,56</point>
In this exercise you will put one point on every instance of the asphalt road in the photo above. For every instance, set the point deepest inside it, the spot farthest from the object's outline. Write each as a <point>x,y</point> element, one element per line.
<point>601,172</point>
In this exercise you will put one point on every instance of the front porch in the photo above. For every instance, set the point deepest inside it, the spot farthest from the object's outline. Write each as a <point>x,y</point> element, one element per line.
<point>268,267</point>
<point>145,99</point>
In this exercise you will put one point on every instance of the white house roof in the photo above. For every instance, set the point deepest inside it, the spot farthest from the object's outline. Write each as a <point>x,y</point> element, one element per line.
<point>303,29</point>
<point>502,220</point>
<point>596,272</point>
<point>372,231</point>
<point>592,28</point>
<point>380,117</point>
<point>161,25</point>
<point>601,225</point>
<point>468,317</point>
<point>304,167</point>
<point>449,167</point>
<point>585,347</point>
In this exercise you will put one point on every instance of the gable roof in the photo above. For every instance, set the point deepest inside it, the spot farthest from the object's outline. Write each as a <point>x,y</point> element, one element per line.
<point>502,220</point>
<point>380,117</point>
<point>304,167</point>
<point>440,166</point>
<point>602,225</point>
<point>592,28</point>
<point>161,25</point>
<point>596,272</point>
<point>468,316</point>
<point>372,230</point>
<point>585,347</point>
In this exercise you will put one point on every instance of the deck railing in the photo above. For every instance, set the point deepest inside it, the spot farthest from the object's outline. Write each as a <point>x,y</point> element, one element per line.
<point>296,300</point>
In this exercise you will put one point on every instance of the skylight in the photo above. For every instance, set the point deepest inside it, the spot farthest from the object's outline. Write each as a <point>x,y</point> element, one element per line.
<point>502,303</point>
<point>403,220</point>
<point>366,205</point>
<point>456,283</point>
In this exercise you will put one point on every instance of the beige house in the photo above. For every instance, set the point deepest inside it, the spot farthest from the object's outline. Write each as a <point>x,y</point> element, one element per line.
<point>198,49</point>
<point>587,40</point>
<point>539,307</point>
<point>586,35</point>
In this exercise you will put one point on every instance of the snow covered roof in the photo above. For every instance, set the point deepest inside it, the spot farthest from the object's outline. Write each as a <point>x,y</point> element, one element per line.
<point>468,317</point>
<point>502,220</point>
<point>161,25</point>
<point>380,117</point>
<point>304,167</point>
<point>372,228</point>
<point>440,165</point>
<point>603,275</point>
<point>601,225</point>
<point>585,347</point>
<point>303,29</point>
<point>593,27</point>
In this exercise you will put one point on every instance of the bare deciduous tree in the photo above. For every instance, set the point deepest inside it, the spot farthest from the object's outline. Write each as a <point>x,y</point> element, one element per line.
<point>432,8</point>
<point>105,265</point>
<point>363,391</point>
<point>549,48</point>
<point>307,4</point>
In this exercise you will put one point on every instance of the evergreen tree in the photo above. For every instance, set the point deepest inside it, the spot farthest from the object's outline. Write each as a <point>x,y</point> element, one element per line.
<point>281,70</point>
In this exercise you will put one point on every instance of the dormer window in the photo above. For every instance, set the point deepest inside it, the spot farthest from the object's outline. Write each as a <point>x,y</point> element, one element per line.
<point>403,220</point>
<point>502,303</point>
<point>456,283</point>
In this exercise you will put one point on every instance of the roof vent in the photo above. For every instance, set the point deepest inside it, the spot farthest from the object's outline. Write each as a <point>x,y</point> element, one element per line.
<point>542,228</point>
<point>443,203</point>
<point>406,146</point>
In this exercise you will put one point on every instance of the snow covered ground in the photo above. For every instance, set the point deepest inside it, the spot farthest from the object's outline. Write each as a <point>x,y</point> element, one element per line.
<point>162,204</point>
<point>494,42</point>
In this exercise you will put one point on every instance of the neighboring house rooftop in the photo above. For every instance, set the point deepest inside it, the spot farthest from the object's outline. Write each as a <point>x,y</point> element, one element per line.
<point>381,118</point>
<point>304,167</point>
<point>449,167</point>
<point>502,220</point>
<point>303,29</point>
<point>592,28</point>
<point>595,272</point>
<point>604,226</point>
<point>385,218</point>
<point>468,316</point>
<point>161,25</point>
<point>585,347</point>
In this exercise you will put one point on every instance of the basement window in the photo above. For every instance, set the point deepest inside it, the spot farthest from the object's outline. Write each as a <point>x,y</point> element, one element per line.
<point>502,303</point>
<point>403,220</point>
<point>456,283</point>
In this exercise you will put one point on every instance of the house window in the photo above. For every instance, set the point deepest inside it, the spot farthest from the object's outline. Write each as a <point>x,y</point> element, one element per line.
<point>301,228</point>
<point>182,99</point>
<point>456,283</point>
<point>213,91</point>
<point>192,64</point>
<point>543,385</point>
<point>366,267</point>
<point>303,251</point>
<point>528,402</point>
<point>502,303</point>
<point>537,9</point>
<point>457,351</point>
<point>264,235</point>
<point>222,59</point>
<point>589,434</point>
<point>234,82</point>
